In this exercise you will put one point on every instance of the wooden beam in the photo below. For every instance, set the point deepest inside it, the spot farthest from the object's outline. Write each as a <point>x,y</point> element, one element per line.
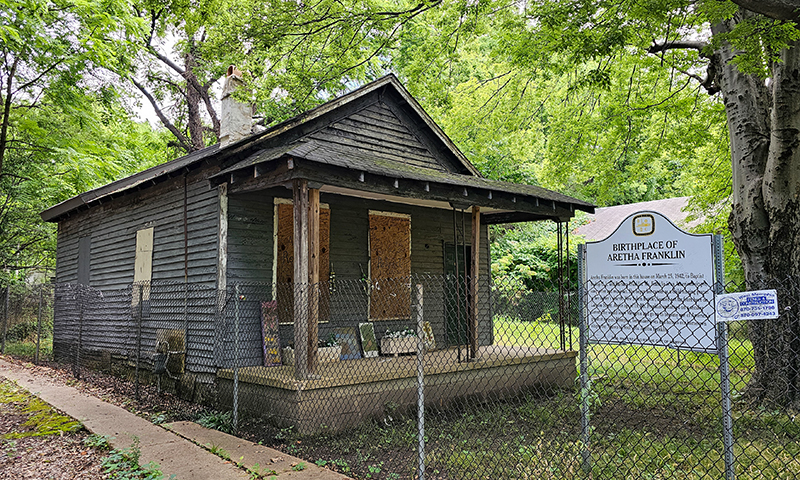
<point>301,248</point>
<point>476,263</point>
<point>313,277</point>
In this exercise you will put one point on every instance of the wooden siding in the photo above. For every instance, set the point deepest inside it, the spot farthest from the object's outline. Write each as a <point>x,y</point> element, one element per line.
<point>112,228</point>
<point>250,239</point>
<point>377,131</point>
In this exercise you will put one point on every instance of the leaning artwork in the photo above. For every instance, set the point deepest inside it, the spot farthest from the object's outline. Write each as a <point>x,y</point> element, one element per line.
<point>368,342</point>
<point>269,333</point>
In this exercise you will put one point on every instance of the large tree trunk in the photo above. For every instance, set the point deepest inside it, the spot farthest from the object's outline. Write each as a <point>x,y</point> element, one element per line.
<point>764,127</point>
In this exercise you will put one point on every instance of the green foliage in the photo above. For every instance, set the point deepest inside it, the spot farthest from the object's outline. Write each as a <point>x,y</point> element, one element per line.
<point>222,421</point>
<point>124,465</point>
<point>63,132</point>
<point>527,254</point>
<point>99,442</point>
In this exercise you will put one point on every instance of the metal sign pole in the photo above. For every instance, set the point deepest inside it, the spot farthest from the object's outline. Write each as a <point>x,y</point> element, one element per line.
<point>586,457</point>
<point>724,368</point>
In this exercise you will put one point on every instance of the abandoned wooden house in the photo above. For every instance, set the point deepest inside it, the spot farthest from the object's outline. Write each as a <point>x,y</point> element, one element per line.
<point>365,187</point>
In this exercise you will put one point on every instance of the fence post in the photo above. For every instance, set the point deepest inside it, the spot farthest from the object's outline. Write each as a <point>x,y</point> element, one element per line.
<point>38,326</point>
<point>81,300</point>
<point>420,382</point>
<point>236,358</point>
<point>724,368</point>
<point>139,313</point>
<point>586,457</point>
<point>6,301</point>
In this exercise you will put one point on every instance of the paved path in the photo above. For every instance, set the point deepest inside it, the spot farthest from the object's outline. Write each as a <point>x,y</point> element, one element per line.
<point>175,447</point>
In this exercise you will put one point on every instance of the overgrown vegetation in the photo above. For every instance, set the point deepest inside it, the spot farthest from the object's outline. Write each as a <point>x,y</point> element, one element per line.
<point>124,465</point>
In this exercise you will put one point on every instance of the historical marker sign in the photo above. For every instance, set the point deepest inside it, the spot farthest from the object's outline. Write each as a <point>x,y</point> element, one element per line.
<point>651,283</point>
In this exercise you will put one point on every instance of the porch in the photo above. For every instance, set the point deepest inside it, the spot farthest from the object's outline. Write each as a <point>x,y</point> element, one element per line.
<point>345,393</point>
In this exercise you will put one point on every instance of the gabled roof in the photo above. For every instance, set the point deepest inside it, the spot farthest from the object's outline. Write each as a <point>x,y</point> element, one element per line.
<point>605,220</point>
<point>401,142</point>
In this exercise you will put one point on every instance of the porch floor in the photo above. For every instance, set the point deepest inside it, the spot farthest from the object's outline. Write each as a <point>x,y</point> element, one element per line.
<point>383,368</point>
<point>344,393</point>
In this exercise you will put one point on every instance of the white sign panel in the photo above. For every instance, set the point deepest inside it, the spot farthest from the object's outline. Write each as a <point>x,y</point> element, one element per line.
<point>755,305</point>
<point>651,283</point>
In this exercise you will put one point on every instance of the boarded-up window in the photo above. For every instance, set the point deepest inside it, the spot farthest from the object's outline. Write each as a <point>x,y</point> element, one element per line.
<point>390,266</point>
<point>84,251</point>
<point>284,263</point>
<point>143,261</point>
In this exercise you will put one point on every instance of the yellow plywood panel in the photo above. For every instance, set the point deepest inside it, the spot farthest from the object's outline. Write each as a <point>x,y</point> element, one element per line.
<point>390,266</point>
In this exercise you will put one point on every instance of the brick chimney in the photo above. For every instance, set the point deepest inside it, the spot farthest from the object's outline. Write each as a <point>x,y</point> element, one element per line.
<point>236,118</point>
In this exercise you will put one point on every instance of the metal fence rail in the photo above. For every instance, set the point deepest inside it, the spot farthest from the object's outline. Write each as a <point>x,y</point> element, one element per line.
<point>436,377</point>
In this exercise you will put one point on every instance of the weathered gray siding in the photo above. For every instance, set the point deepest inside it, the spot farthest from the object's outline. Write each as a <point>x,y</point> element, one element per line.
<point>250,247</point>
<point>376,130</point>
<point>112,229</point>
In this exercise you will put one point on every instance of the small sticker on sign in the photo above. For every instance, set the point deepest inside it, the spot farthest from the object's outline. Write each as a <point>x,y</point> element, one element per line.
<point>755,305</point>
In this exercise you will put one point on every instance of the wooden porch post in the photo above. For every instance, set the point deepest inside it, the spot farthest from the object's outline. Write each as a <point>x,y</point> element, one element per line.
<point>313,277</point>
<point>476,257</point>
<point>301,249</point>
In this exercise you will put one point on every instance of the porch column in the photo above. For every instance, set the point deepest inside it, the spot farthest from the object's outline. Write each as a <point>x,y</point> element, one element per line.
<point>301,249</point>
<point>476,257</point>
<point>313,277</point>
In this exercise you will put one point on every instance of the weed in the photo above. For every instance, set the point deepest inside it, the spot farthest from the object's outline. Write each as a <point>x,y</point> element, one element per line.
<point>341,464</point>
<point>284,433</point>
<point>124,465</point>
<point>222,421</point>
<point>321,463</point>
<point>99,442</point>
<point>219,451</point>
<point>299,467</point>
<point>158,418</point>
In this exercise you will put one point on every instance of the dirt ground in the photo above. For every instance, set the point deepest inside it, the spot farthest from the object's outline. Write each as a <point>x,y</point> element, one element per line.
<point>57,455</point>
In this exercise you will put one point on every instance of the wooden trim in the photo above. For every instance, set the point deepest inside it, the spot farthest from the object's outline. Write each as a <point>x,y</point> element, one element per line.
<point>313,277</point>
<point>476,265</point>
<point>222,238</point>
<point>301,248</point>
<point>390,214</point>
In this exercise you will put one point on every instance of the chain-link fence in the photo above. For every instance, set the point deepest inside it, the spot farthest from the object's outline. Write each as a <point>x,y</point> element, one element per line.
<point>26,321</point>
<point>447,377</point>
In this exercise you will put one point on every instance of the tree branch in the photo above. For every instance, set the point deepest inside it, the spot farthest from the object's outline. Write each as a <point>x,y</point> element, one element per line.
<point>677,45</point>
<point>778,9</point>
<point>184,142</point>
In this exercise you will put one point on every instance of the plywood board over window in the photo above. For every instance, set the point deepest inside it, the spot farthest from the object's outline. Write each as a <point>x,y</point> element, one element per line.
<point>390,265</point>
<point>284,261</point>
<point>143,261</point>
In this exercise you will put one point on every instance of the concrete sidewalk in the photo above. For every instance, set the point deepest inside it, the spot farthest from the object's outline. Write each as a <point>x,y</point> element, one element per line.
<point>174,448</point>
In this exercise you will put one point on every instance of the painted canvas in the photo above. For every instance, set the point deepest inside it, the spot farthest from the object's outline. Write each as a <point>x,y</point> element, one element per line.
<point>269,333</point>
<point>427,336</point>
<point>369,345</point>
<point>348,339</point>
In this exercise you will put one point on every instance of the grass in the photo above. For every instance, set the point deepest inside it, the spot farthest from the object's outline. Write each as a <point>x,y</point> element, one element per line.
<point>27,348</point>
<point>655,415</point>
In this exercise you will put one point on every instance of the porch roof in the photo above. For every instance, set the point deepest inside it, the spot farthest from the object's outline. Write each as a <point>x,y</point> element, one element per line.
<point>349,170</point>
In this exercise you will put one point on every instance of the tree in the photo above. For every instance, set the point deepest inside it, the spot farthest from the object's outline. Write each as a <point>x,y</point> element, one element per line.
<point>295,55</point>
<point>49,57</point>
<point>750,58</point>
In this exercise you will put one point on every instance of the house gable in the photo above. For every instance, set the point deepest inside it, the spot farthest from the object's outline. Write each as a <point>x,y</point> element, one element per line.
<point>383,131</point>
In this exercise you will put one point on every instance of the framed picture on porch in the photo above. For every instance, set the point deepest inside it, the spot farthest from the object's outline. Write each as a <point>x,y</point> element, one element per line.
<point>269,333</point>
<point>368,342</point>
<point>348,339</point>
